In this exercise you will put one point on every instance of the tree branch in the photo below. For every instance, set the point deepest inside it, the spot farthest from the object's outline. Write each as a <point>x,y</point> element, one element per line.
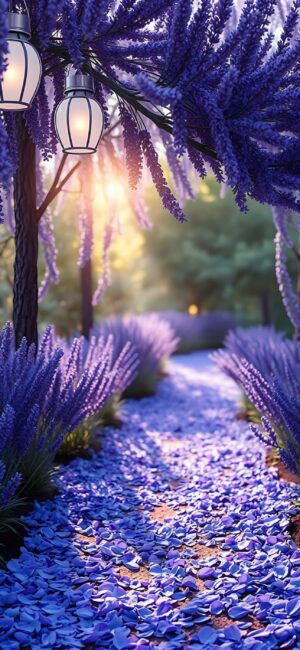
<point>55,189</point>
<point>134,98</point>
<point>60,169</point>
<point>57,186</point>
<point>47,200</point>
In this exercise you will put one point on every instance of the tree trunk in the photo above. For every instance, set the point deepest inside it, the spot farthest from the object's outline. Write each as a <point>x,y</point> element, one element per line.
<point>87,312</point>
<point>265,308</point>
<point>25,306</point>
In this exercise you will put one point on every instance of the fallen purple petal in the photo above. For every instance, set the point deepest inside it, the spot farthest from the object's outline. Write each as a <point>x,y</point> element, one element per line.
<point>162,538</point>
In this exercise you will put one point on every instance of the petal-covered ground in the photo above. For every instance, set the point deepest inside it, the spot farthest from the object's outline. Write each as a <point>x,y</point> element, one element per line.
<point>173,536</point>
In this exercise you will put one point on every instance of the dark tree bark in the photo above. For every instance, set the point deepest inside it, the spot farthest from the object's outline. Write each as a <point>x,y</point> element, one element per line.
<point>25,306</point>
<point>87,312</point>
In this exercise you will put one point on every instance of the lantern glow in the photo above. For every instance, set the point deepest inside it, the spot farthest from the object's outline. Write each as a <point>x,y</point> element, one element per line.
<point>10,75</point>
<point>22,76</point>
<point>79,117</point>
<point>193,310</point>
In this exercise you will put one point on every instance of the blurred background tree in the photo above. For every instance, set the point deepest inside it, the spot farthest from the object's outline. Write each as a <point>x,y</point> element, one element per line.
<point>218,260</point>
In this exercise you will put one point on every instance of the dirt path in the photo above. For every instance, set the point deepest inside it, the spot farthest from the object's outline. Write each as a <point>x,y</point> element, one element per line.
<point>173,536</point>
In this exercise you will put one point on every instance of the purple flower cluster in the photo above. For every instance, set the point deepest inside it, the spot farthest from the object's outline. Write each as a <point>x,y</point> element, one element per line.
<point>239,91</point>
<point>169,201</point>
<point>154,341</point>
<point>9,484</point>
<point>219,84</point>
<point>110,367</point>
<point>228,86</point>
<point>203,331</point>
<point>105,278</point>
<point>266,366</point>
<point>116,39</point>
<point>180,168</point>
<point>260,346</point>
<point>46,396</point>
<point>132,145</point>
<point>285,283</point>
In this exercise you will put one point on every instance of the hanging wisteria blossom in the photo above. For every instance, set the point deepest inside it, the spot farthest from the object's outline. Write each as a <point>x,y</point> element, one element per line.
<point>225,85</point>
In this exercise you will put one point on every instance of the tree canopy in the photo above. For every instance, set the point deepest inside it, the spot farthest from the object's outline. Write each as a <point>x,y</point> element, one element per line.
<point>224,83</point>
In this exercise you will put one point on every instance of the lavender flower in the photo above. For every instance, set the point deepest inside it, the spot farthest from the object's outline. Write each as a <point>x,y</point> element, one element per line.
<point>8,491</point>
<point>285,284</point>
<point>226,79</point>
<point>133,149</point>
<point>266,366</point>
<point>10,482</point>
<point>169,201</point>
<point>43,398</point>
<point>152,338</point>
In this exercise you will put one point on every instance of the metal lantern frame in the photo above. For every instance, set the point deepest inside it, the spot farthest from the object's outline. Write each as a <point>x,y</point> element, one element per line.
<point>79,86</point>
<point>19,31</point>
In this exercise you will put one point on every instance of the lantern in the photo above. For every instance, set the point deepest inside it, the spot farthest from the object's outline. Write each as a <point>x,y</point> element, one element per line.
<point>79,117</point>
<point>21,79</point>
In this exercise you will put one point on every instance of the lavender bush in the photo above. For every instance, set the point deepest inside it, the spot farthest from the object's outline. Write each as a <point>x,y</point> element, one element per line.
<point>266,366</point>
<point>152,338</point>
<point>114,380</point>
<point>204,331</point>
<point>10,482</point>
<point>262,347</point>
<point>45,397</point>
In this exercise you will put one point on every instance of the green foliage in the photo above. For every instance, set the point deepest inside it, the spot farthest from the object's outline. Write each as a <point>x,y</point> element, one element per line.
<point>9,520</point>
<point>111,412</point>
<point>6,275</point>
<point>86,435</point>
<point>144,385</point>
<point>37,467</point>
<point>219,260</point>
<point>79,441</point>
<point>252,414</point>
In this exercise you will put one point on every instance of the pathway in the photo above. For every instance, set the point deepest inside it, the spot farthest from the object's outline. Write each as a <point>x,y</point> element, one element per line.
<point>173,536</point>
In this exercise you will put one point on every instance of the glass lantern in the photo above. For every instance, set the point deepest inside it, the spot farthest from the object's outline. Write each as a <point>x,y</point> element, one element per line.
<point>21,79</point>
<point>79,117</point>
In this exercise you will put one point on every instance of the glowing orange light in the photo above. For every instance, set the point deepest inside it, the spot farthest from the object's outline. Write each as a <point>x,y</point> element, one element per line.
<point>10,74</point>
<point>193,310</point>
